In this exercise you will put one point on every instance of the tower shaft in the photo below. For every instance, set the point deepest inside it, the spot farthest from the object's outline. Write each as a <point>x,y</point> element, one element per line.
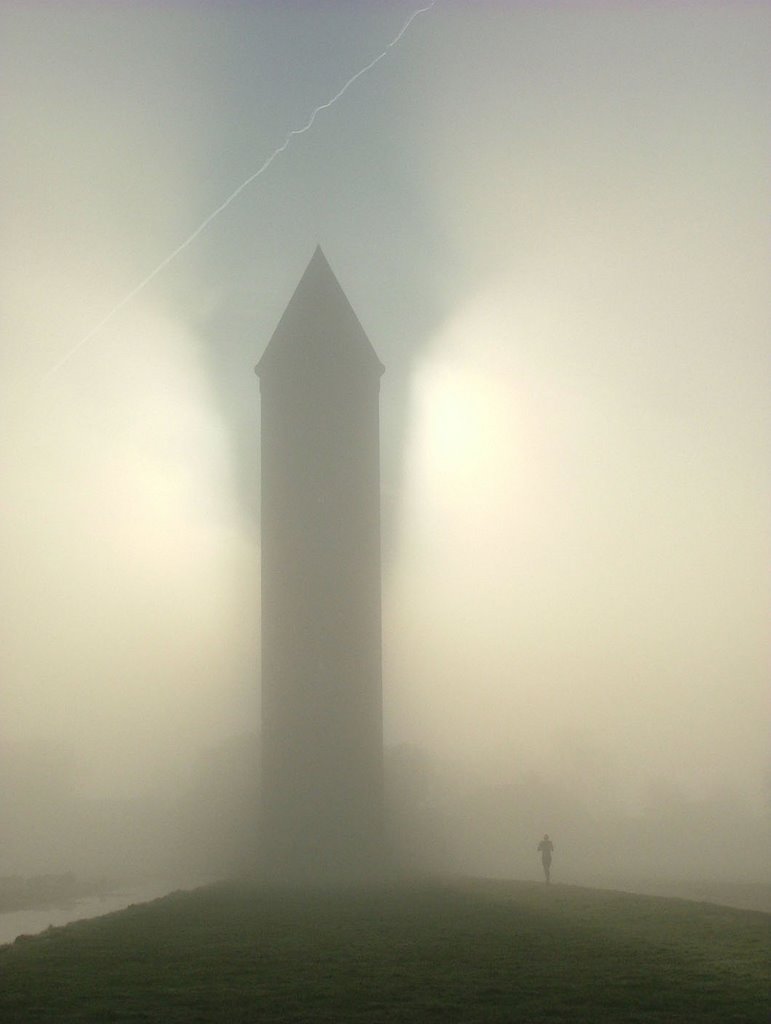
<point>321,592</point>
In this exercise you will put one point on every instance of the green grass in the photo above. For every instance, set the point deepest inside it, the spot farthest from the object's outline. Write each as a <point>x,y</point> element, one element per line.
<point>463,951</point>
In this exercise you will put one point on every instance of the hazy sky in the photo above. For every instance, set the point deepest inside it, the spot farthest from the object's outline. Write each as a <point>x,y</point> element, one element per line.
<point>552,220</point>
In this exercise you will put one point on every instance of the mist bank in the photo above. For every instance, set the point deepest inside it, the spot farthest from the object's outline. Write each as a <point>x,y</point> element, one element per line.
<point>440,822</point>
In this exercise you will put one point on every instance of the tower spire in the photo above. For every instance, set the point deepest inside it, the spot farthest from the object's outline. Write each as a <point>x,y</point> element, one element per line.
<point>320,326</point>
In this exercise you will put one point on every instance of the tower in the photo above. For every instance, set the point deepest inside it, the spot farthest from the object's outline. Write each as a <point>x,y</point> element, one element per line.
<point>322,804</point>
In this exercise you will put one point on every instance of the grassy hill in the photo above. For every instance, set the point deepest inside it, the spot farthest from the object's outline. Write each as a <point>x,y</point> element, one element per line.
<point>461,951</point>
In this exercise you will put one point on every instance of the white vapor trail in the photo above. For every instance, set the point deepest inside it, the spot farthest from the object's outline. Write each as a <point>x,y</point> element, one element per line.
<point>233,195</point>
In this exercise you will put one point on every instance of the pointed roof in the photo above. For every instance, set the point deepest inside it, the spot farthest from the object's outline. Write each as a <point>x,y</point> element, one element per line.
<point>319,329</point>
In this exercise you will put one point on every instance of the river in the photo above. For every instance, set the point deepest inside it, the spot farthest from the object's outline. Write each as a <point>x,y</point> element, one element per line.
<point>29,922</point>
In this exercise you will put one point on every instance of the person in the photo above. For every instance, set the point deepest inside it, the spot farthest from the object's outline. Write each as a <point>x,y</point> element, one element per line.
<point>546,848</point>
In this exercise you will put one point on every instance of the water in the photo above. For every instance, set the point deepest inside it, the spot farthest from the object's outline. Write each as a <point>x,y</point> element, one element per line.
<point>29,922</point>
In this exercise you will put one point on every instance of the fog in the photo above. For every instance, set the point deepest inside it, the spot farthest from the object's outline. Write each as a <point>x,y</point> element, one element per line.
<point>551,222</point>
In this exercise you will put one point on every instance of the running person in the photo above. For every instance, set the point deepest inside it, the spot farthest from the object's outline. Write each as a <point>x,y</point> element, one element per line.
<point>546,848</point>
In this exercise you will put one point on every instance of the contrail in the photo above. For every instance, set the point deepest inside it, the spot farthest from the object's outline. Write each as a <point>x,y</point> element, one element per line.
<point>233,195</point>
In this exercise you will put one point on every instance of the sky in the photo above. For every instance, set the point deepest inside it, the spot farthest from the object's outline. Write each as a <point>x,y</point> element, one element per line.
<point>552,221</point>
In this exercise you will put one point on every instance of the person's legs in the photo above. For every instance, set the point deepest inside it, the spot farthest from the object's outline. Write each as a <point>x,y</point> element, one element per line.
<point>547,869</point>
